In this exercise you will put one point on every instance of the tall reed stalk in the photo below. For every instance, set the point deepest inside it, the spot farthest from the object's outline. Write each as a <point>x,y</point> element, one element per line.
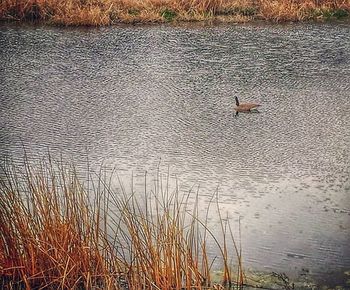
<point>57,232</point>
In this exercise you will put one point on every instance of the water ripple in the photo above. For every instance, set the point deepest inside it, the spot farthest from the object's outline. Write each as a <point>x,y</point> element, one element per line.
<point>134,96</point>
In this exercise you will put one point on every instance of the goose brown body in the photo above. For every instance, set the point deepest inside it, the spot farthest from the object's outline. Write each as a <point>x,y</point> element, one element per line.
<point>245,107</point>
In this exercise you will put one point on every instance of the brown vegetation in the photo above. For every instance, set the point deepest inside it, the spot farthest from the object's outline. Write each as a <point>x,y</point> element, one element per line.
<point>108,12</point>
<point>56,233</point>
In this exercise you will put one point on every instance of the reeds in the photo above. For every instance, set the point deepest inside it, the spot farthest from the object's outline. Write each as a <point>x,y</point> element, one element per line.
<point>108,12</point>
<point>298,10</point>
<point>59,233</point>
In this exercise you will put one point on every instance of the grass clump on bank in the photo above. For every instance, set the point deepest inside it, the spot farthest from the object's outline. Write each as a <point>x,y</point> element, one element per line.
<point>59,233</point>
<point>109,12</point>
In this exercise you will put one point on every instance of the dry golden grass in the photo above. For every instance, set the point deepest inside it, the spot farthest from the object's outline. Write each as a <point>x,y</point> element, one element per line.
<point>297,10</point>
<point>49,234</point>
<point>57,233</point>
<point>108,12</point>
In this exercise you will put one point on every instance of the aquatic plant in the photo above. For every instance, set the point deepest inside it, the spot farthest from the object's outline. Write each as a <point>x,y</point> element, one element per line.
<point>59,232</point>
<point>168,14</point>
<point>329,13</point>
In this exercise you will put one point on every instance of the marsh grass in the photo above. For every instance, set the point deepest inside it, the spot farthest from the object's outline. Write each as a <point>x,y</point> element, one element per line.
<point>298,10</point>
<point>108,12</point>
<point>59,233</point>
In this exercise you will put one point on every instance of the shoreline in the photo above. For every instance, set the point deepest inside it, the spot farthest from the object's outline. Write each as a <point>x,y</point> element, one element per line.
<point>113,12</point>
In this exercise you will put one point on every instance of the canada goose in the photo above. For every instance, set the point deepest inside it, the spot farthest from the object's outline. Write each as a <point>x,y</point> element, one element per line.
<point>245,107</point>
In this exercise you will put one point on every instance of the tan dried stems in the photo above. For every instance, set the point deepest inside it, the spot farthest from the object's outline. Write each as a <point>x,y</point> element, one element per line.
<point>297,10</point>
<point>107,12</point>
<point>56,232</point>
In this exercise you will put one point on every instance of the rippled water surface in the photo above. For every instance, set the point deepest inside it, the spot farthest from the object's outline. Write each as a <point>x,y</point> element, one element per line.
<point>135,97</point>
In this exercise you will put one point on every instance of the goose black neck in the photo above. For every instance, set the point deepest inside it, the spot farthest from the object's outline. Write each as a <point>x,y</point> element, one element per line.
<point>237,102</point>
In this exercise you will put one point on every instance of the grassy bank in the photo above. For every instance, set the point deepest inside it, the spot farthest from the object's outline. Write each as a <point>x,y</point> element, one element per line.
<point>109,12</point>
<point>59,233</point>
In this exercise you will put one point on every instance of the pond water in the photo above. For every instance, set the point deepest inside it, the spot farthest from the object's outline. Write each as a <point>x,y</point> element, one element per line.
<point>139,97</point>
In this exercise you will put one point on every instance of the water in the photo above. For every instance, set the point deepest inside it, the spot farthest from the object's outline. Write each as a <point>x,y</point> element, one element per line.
<point>139,97</point>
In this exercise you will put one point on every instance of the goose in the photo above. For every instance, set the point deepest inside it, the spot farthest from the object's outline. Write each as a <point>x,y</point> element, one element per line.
<point>245,107</point>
